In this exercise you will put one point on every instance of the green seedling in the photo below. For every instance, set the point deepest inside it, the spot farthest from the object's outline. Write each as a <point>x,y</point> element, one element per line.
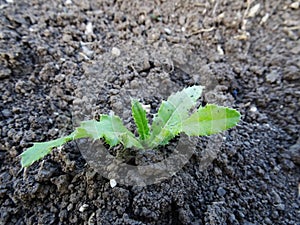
<point>174,116</point>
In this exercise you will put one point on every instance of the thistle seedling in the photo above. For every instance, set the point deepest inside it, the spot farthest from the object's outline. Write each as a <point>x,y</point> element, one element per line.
<point>174,116</point>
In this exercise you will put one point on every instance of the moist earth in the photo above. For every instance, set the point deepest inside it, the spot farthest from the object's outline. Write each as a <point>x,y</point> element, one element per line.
<point>65,61</point>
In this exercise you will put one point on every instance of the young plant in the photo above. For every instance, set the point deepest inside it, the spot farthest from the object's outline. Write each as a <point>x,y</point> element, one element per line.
<point>174,116</point>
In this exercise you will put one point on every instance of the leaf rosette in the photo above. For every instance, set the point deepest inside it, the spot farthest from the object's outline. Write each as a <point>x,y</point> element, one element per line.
<point>176,115</point>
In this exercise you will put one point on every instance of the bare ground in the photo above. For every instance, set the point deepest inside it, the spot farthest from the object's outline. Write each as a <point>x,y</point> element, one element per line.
<point>66,59</point>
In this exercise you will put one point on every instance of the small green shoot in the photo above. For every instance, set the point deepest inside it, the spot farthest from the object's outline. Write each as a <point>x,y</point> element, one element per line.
<point>173,117</point>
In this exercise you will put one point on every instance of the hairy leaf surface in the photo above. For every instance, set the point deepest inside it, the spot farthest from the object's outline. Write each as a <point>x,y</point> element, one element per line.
<point>115,132</point>
<point>173,117</point>
<point>110,128</point>
<point>39,150</point>
<point>168,121</point>
<point>210,119</point>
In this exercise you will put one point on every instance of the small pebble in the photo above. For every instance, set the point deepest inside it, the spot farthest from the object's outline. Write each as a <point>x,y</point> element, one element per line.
<point>280,207</point>
<point>147,108</point>
<point>253,11</point>
<point>253,109</point>
<point>4,73</point>
<point>89,28</point>
<point>268,221</point>
<point>83,207</point>
<point>6,113</point>
<point>115,51</point>
<point>221,191</point>
<point>272,76</point>
<point>66,37</point>
<point>220,50</point>
<point>182,20</point>
<point>168,31</point>
<point>113,183</point>
<point>295,5</point>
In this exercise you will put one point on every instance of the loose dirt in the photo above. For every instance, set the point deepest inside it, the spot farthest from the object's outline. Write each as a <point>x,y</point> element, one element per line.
<point>64,61</point>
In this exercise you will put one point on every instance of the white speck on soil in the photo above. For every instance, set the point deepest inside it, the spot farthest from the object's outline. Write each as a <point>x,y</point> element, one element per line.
<point>295,5</point>
<point>147,108</point>
<point>253,109</point>
<point>115,51</point>
<point>83,207</point>
<point>253,11</point>
<point>113,183</point>
<point>168,31</point>
<point>89,28</point>
<point>220,50</point>
<point>264,19</point>
<point>68,2</point>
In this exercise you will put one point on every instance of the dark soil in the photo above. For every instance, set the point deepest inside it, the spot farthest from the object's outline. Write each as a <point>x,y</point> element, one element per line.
<point>55,71</point>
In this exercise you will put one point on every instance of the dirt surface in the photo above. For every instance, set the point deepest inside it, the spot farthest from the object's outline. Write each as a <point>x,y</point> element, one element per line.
<point>63,61</point>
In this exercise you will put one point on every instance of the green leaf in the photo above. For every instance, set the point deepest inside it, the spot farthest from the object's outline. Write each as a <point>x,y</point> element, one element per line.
<point>110,128</point>
<point>210,119</point>
<point>89,129</point>
<point>115,132</point>
<point>168,121</point>
<point>140,119</point>
<point>39,150</point>
<point>172,118</point>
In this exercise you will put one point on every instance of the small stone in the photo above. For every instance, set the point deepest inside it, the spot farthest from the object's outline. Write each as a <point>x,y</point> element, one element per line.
<point>280,207</point>
<point>294,152</point>
<point>253,11</point>
<point>61,183</point>
<point>295,5</point>
<point>83,207</point>
<point>147,108</point>
<point>68,2</point>
<point>134,84</point>
<point>87,51</point>
<point>59,77</point>
<point>232,219</point>
<point>70,207</point>
<point>4,73</point>
<point>275,214</point>
<point>113,183</point>
<point>168,31</point>
<point>220,50</point>
<point>268,221</point>
<point>89,28</point>
<point>217,171</point>
<point>66,37</point>
<point>287,164</point>
<point>273,76</point>
<point>182,20</point>
<point>221,191</point>
<point>115,51</point>
<point>244,36</point>
<point>253,109</point>
<point>141,19</point>
<point>276,197</point>
<point>291,73</point>
<point>6,113</point>
<point>117,106</point>
<point>153,35</point>
<point>265,18</point>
